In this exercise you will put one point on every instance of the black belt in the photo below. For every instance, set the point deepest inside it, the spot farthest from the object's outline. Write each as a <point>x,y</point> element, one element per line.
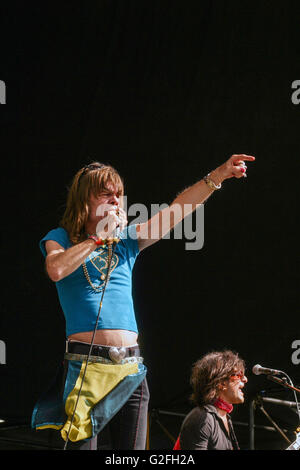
<point>107,352</point>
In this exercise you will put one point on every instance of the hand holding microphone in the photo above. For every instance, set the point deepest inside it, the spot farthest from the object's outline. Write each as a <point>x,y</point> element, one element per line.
<point>113,221</point>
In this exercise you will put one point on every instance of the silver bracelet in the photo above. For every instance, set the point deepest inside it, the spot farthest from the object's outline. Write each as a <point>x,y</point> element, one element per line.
<point>211,184</point>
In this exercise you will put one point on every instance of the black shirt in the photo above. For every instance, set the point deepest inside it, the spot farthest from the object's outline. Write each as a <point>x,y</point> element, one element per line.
<point>203,429</point>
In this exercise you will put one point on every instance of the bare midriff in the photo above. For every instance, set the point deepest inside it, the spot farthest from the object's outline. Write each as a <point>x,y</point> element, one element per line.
<point>107,337</point>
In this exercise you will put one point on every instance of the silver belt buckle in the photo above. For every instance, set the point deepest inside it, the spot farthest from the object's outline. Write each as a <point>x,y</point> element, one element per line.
<point>116,354</point>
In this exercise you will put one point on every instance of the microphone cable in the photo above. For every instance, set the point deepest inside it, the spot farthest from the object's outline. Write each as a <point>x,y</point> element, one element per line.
<point>111,250</point>
<point>295,395</point>
<point>289,386</point>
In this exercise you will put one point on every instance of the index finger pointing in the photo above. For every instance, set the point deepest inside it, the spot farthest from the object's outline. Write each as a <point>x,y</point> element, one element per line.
<point>243,156</point>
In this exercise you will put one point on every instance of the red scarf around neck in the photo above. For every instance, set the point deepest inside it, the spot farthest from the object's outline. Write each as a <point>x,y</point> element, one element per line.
<point>218,403</point>
<point>223,405</point>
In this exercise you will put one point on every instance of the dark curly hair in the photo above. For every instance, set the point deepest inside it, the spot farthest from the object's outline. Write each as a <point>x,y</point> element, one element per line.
<point>210,371</point>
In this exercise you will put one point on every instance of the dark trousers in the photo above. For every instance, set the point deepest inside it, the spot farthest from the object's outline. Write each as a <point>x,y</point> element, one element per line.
<point>128,428</point>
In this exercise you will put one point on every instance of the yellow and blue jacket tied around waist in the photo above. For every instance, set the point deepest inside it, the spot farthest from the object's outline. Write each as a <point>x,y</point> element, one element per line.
<point>105,389</point>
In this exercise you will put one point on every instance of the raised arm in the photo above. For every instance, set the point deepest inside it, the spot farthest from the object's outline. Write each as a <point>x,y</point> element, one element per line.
<point>188,200</point>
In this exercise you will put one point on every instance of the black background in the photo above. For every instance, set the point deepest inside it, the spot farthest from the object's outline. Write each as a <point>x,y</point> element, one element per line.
<point>164,91</point>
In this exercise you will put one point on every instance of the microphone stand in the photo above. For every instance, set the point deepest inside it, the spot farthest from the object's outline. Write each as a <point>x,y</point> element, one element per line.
<point>275,425</point>
<point>282,382</point>
<point>291,387</point>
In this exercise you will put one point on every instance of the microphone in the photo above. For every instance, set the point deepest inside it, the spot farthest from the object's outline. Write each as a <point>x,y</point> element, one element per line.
<point>117,230</point>
<point>258,369</point>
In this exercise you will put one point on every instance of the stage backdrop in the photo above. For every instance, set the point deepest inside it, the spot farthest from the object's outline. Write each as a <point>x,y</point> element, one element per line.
<point>164,91</point>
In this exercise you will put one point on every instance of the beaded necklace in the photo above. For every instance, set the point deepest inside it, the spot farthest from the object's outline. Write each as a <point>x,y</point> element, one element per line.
<point>98,289</point>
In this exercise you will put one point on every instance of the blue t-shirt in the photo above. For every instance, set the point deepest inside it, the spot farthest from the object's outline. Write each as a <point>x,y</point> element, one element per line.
<point>79,301</point>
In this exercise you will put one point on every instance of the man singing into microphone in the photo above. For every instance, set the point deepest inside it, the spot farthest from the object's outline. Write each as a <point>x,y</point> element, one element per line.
<point>83,262</point>
<point>217,381</point>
